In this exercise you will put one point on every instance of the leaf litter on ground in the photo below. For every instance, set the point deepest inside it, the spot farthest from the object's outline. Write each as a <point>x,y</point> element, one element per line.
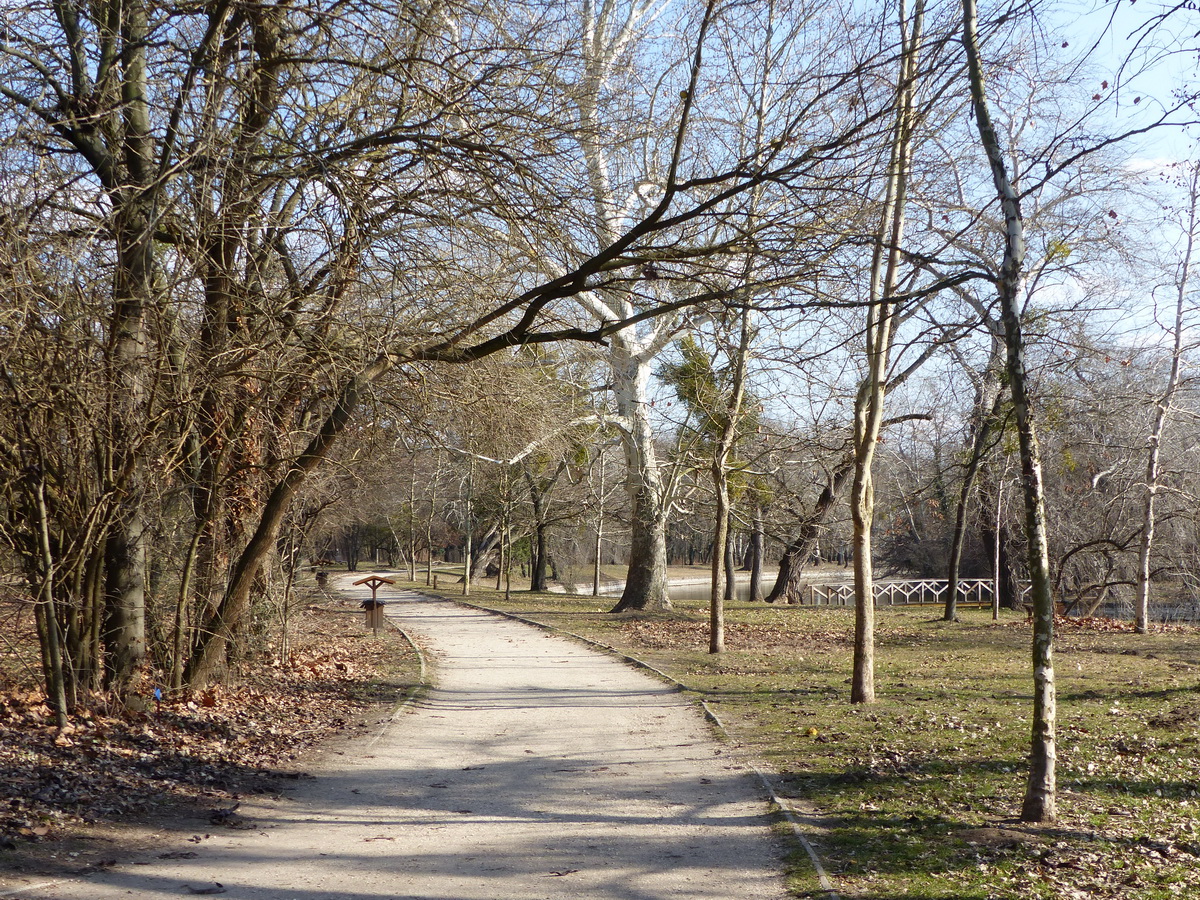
<point>196,751</point>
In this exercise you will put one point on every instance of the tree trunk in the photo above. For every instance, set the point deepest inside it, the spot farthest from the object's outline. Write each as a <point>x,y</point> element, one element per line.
<point>868,408</point>
<point>862,505</point>
<point>730,586</point>
<point>599,548</point>
<point>983,434</point>
<point>507,567</point>
<point>716,606</point>
<point>997,581</point>
<point>482,549</point>
<point>125,548</point>
<point>412,522</point>
<point>729,420</point>
<point>433,483</point>
<point>539,561</point>
<point>351,547</point>
<point>125,601</point>
<point>501,559</point>
<point>1002,566</point>
<point>95,601</point>
<point>1040,794</point>
<point>787,583</point>
<point>538,568</point>
<point>468,564</point>
<point>82,633</point>
<point>756,555</point>
<point>646,581</point>
<point>1162,409</point>
<point>46,614</point>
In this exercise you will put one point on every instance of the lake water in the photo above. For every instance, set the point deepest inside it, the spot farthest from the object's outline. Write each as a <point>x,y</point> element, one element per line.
<point>695,593</point>
<point>689,592</point>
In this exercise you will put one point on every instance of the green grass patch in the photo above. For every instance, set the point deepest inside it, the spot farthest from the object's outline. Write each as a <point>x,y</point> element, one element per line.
<point>919,792</point>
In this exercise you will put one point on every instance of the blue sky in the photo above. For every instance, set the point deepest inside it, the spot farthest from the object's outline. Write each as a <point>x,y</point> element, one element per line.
<point>1162,61</point>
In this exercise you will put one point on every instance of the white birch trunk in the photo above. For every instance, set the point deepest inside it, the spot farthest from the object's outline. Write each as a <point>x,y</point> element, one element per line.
<point>1040,794</point>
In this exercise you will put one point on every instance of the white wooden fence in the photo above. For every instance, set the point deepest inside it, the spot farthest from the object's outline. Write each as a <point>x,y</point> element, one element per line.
<point>922,592</point>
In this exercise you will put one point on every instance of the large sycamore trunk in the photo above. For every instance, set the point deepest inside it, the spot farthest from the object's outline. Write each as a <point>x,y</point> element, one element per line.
<point>646,582</point>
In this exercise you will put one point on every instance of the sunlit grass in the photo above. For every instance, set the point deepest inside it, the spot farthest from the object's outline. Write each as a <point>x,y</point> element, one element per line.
<point>918,794</point>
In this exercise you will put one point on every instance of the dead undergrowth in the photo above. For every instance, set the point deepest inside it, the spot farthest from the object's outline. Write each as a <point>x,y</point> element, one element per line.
<point>190,756</point>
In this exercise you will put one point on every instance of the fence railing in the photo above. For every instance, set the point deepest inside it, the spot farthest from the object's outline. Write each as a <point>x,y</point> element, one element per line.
<point>915,592</point>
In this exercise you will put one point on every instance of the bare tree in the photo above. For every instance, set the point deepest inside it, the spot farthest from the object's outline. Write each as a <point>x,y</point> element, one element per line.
<point>1190,181</point>
<point>881,315</point>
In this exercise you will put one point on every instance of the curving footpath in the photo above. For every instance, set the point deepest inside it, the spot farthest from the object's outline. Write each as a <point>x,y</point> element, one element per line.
<point>536,768</point>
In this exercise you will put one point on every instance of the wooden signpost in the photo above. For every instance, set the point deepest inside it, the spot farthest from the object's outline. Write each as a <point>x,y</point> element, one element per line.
<point>374,606</point>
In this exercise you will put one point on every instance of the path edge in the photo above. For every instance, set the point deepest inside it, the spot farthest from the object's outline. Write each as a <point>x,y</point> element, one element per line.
<point>780,802</point>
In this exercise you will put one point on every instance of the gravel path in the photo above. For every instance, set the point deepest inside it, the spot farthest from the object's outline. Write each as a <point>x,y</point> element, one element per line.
<point>537,768</point>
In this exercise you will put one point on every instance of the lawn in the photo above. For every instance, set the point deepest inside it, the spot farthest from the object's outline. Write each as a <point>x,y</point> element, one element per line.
<point>917,795</point>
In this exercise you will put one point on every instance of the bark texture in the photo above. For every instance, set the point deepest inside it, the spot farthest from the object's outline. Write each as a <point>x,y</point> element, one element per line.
<point>646,582</point>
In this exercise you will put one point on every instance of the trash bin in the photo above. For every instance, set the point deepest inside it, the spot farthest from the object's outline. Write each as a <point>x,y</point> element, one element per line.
<point>374,611</point>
